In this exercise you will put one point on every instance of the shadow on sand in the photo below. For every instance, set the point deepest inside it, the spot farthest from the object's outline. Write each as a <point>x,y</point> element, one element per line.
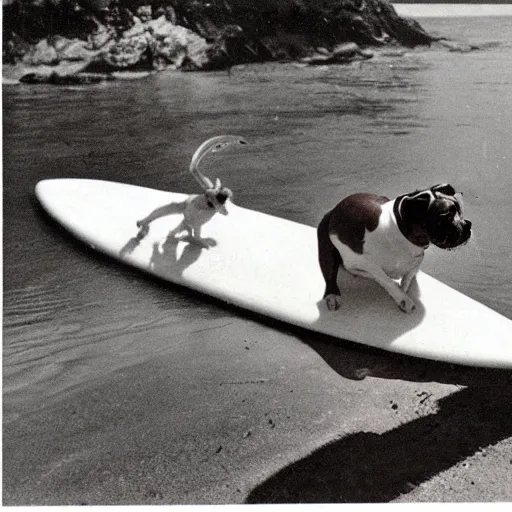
<point>366,467</point>
<point>376,468</point>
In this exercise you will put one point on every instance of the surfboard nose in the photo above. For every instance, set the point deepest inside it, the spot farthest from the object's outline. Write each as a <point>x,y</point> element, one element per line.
<point>50,189</point>
<point>41,187</point>
<point>45,190</point>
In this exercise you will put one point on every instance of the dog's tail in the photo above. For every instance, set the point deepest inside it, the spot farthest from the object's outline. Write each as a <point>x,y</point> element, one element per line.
<point>328,256</point>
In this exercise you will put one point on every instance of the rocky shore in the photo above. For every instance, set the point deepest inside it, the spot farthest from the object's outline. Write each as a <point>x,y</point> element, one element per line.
<point>86,41</point>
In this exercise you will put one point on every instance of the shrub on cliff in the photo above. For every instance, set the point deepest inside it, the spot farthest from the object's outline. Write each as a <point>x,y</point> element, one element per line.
<point>319,22</point>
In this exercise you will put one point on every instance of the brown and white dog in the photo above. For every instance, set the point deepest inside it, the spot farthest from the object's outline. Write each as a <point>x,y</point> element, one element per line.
<point>371,236</point>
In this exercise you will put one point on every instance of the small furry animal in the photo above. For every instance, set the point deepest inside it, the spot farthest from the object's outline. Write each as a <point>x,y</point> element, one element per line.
<point>197,210</point>
<point>372,236</point>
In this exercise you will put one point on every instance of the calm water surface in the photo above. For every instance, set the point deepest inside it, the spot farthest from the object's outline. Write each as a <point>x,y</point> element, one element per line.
<point>390,125</point>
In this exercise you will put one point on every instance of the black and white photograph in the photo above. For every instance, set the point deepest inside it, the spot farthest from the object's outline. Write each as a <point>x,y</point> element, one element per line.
<point>256,253</point>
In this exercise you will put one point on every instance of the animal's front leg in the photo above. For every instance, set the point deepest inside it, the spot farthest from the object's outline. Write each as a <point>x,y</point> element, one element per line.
<point>368,269</point>
<point>410,276</point>
<point>203,242</point>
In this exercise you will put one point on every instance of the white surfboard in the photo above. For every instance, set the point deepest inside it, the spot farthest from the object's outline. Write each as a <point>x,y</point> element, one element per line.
<point>269,265</point>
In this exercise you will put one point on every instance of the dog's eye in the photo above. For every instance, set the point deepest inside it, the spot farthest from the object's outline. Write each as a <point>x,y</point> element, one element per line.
<point>450,212</point>
<point>210,204</point>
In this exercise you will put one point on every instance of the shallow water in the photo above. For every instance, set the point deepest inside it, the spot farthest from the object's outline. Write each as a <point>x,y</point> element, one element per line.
<point>390,125</point>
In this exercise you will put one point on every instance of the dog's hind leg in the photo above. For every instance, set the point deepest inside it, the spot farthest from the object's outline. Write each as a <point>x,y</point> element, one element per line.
<point>330,261</point>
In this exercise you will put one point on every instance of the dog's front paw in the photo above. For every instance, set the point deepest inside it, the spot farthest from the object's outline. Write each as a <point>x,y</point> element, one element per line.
<point>333,302</point>
<point>407,305</point>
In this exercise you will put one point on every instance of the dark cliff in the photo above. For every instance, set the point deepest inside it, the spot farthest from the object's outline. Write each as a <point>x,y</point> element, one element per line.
<point>198,34</point>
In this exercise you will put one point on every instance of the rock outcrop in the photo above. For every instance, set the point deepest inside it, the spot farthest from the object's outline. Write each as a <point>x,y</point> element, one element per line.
<point>99,36</point>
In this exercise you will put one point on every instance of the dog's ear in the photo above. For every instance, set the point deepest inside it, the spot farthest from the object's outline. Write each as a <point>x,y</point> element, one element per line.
<point>415,207</point>
<point>444,188</point>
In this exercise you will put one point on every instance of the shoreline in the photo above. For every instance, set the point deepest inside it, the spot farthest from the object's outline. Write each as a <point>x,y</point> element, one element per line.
<point>195,36</point>
<point>58,60</point>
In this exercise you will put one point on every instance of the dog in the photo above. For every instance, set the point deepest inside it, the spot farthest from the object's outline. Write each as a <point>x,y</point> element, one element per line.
<point>372,236</point>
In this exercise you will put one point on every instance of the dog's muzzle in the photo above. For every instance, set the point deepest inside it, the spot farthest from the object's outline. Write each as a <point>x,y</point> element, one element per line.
<point>454,237</point>
<point>449,234</point>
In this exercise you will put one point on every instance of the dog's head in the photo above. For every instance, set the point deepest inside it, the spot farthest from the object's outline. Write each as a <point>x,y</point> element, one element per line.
<point>217,197</point>
<point>435,216</point>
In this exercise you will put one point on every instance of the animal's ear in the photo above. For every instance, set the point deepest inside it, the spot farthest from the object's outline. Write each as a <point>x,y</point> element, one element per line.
<point>444,188</point>
<point>416,207</point>
<point>217,184</point>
